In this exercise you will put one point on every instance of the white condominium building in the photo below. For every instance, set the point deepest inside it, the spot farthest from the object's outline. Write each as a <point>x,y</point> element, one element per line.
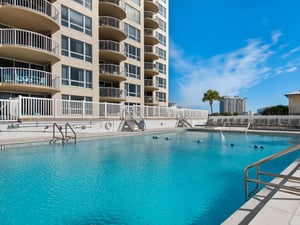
<point>113,51</point>
<point>232,105</point>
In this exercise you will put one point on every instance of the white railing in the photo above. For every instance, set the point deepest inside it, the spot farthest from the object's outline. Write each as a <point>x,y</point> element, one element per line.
<point>28,39</point>
<point>149,49</point>
<point>42,6</point>
<point>257,121</point>
<point>111,46</point>
<point>9,109</point>
<point>108,21</point>
<point>150,66</point>
<point>150,100</point>
<point>150,15</point>
<point>111,69</point>
<point>14,75</point>
<point>30,108</point>
<point>117,2</point>
<point>111,92</point>
<point>150,83</point>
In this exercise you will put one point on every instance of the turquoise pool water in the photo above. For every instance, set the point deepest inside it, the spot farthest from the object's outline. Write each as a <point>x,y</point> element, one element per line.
<point>132,180</point>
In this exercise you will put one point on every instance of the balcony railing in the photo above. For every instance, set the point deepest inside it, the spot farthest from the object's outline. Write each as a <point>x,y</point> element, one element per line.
<point>12,75</point>
<point>42,6</point>
<point>149,82</point>
<point>110,22</point>
<point>150,66</point>
<point>150,15</point>
<point>110,46</point>
<point>28,39</point>
<point>149,31</point>
<point>117,2</point>
<point>150,99</point>
<point>111,69</point>
<point>149,49</point>
<point>111,92</point>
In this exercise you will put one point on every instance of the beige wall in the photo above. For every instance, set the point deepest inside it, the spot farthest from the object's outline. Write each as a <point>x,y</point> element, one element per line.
<point>69,61</point>
<point>294,104</point>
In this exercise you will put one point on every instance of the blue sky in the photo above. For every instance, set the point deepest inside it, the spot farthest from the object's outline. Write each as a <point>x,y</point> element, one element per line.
<point>249,48</point>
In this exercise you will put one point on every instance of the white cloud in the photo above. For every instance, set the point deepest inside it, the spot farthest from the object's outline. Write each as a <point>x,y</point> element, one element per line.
<point>292,69</point>
<point>228,73</point>
<point>292,51</point>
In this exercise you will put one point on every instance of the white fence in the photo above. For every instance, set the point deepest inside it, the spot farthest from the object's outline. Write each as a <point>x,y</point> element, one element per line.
<point>28,108</point>
<point>292,121</point>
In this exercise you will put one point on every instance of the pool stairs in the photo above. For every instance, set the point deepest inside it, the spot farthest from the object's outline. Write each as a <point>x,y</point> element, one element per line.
<point>63,137</point>
<point>130,123</point>
<point>183,123</point>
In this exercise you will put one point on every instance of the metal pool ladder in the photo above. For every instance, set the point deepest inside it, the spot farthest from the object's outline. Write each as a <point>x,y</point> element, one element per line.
<point>258,173</point>
<point>64,137</point>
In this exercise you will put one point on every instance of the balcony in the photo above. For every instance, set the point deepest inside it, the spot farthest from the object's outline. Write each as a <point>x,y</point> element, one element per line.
<point>111,51</point>
<point>28,46</point>
<point>112,8</point>
<point>149,53</point>
<point>151,5</point>
<point>150,69</point>
<point>150,20</point>
<point>34,15</point>
<point>149,37</point>
<point>149,100</point>
<point>28,80</point>
<point>150,85</point>
<point>109,94</point>
<point>111,29</point>
<point>111,72</point>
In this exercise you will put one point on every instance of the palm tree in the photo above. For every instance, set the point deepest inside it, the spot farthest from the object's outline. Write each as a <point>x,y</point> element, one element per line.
<point>210,96</point>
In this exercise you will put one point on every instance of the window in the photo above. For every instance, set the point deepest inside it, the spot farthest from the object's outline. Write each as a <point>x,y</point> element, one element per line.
<point>73,76</point>
<point>162,25</point>
<point>162,39</point>
<point>132,32</point>
<point>76,49</point>
<point>76,20</point>
<point>162,10</point>
<point>161,97</point>
<point>132,90</point>
<point>132,14</point>
<point>86,3</point>
<point>161,82</point>
<point>132,71</point>
<point>132,52</point>
<point>162,68</point>
<point>161,53</point>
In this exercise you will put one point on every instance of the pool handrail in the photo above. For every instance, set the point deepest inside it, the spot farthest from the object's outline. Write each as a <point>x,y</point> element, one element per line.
<point>259,182</point>
<point>59,128</point>
<point>67,137</point>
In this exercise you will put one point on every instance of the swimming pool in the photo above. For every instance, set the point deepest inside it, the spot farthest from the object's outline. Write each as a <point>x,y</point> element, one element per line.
<point>132,180</point>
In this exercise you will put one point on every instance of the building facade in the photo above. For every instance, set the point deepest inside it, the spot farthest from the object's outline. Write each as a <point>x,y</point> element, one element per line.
<point>294,102</point>
<point>112,51</point>
<point>232,105</point>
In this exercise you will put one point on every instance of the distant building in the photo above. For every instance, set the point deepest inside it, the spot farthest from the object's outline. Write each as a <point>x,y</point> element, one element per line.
<point>294,102</point>
<point>232,105</point>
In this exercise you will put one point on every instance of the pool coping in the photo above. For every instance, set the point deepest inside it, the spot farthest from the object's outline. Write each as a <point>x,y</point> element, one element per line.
<point>27,142</point>
<point>34,141</point>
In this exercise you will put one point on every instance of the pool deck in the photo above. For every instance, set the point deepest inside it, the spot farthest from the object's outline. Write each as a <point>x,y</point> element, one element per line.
<point>270,206</point>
